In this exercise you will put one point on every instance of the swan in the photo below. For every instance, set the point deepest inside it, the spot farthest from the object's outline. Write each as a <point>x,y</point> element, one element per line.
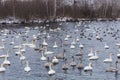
<point>89,67</point>
<point>72,46</point>
<point>6,61</point>
<point>51,71</point>
<point>77,39</point>
<point>44,43</point>
<point>108,60</point>
<point>65,66</point>
<point>55,45</point>
<point>22,57</point>
<point>80,53</point>
<point>27,68</point>
<point>81,46</point>
<point>2,68</point>
<point>73,64</point>
<point>94,57</point>
<point>12,42</point>
<point>43,58</point>
<point>48,36</point>
<point>118,55</point>
<point>55,60</point>
<point>80,65</point>
<point>73,42</point>
<point>62,55</point>
<point>48,52</point>
<point>47,63</point>
<point>66,39</point>
<point>106,46</point>
<point>113,69</point>
<point>91,53</point>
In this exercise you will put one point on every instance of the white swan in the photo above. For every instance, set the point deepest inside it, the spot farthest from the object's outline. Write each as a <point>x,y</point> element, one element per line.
<point>44,43</point>
<point>27,68</point>
<point>73,42</point>
<point>108,60</point>
<point>89,67</point>
<point>55,45</point>
<point>72,46</point>
<point>94,57</point>
<point>81,46</point>
<point>2,68</point>
<point>77,39</point>
<point>12,42</point>
<point>55,60</point>
<point>43,58</point>
<point>6,61</point>
<point>22,57</point>
<point>48,52</point>
<point>91,53</point>
<point>51,71</point>
<point>106,46</point>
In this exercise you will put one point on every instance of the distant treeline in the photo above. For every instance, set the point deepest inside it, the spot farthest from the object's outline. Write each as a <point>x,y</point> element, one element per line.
<point>48,9</point>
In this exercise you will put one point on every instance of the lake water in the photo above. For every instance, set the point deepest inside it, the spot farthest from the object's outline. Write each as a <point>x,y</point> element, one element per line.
<point>109,31</point>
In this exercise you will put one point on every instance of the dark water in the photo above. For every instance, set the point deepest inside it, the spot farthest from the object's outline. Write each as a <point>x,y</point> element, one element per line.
<point>38,72</point>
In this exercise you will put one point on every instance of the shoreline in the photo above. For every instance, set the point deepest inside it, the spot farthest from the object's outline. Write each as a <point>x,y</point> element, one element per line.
<point>64,19</point>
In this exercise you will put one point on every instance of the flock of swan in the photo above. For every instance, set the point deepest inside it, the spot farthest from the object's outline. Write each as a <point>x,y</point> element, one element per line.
<point>66,48</point>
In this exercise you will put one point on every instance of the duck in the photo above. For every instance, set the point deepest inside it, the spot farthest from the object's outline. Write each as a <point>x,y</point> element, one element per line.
<point>27,67</point>
<point>55,60</point>
<point>2,68</point>
<point>89,67</point>
<point>51,71</point>
<point>91,53</point>
<point>73,64</point>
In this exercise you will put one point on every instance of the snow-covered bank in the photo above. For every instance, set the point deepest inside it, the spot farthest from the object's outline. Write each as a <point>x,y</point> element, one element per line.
<point>61,19</point>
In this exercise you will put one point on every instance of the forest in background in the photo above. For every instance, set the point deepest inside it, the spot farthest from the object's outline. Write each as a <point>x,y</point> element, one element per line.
<point>57,8</point>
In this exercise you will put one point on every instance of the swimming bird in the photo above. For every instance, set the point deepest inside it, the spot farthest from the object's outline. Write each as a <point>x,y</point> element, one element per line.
<point>94,57</point>
<point>106,46</point>
<point>80,64</point>
<point>73,64</point>
<point>55,60</point>
<point>89,67</point>
<point>27,67</point>
<point>43,58</point>
<point>91,53</point>
<point>108,60</point>
<point>51,71</point>
<point>2,68</point>
<point>6,61</point>
<point>65,66</point>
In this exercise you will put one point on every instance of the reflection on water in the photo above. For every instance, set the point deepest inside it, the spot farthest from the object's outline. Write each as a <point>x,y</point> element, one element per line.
<point>85,31</point>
